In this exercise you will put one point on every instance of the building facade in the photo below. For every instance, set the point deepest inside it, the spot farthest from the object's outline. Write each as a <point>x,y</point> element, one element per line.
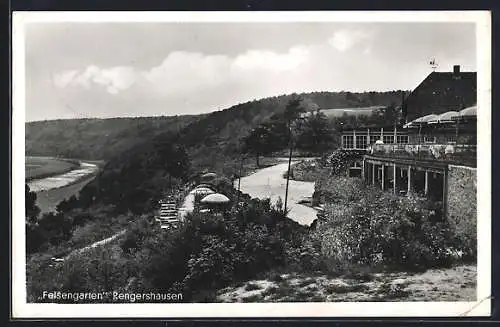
<point>432,156</point>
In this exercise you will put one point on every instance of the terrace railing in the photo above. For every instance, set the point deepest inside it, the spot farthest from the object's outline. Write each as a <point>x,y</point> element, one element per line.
<point>462,154</point>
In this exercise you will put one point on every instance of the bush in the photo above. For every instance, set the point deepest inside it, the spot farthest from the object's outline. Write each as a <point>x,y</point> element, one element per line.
<point>209,251</point>
<point>339,190</point>
<point>384,229</point>
<point>341,159</point>
<point>307,171</point>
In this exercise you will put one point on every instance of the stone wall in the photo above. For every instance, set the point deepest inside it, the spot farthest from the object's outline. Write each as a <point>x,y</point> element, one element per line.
<point>462,201</point>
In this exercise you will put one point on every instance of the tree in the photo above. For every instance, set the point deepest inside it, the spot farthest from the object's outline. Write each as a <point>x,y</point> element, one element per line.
<point>293,112</point>
<point>32,210</point>
<point>390,114</point>
<point>56,227</point>
<point>35,237</point>
<point>259,142</point>
<point>315,133</point>
<point>67,205</point>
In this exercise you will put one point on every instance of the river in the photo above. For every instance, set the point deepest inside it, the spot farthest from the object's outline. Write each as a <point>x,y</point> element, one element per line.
<point>269,183</point>
<point>52,190</point>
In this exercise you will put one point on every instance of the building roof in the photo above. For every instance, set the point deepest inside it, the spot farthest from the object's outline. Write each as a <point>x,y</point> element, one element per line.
<point>440,92</point>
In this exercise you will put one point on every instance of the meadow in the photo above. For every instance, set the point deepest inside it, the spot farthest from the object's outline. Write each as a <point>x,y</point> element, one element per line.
<point>41,167</point>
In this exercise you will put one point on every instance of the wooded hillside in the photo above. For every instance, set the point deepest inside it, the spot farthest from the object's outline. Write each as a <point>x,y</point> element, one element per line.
<point>96,139</point>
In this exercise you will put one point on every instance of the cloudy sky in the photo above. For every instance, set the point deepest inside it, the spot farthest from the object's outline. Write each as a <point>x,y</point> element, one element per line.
<point>79,70</point>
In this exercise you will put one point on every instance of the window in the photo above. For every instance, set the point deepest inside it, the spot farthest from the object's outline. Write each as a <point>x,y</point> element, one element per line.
<point>403,139</point>
<point>361,142</point>
<point>388,139</point>
<point>347,141</point>
<point>451,139</point>
<point>429,139</point>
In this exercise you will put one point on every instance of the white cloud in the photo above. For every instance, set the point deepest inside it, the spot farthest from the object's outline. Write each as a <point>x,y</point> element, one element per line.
<point>64,78</point>
<point>343,40</point>
<point>185,72</point>
<point>268,60</point>
<point>114,79</point>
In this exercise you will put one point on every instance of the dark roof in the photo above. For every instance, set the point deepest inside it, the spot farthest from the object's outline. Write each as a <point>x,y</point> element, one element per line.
<point>441,92</point>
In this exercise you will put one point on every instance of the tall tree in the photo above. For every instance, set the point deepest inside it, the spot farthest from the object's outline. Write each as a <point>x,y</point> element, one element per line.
<point>32,210</point>
<point>315,134</point>
<point>292,114</point>
<point>259,142</point>
<point>391,114</point>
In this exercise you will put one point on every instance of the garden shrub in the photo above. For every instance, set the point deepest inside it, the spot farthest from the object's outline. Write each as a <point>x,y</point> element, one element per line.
<point>341,159</point>
<point>210,251</point>
<point>383,229</point>
<point>339,190</point>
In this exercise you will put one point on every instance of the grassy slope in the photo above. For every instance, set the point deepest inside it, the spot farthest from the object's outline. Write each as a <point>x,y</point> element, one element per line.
<point>41,167</point>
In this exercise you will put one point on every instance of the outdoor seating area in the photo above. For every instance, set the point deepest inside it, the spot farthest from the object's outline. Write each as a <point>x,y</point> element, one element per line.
<point>202,198</point>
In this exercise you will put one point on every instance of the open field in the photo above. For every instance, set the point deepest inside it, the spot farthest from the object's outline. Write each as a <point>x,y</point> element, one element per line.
<point>41,167</point>
<point>339,112</point>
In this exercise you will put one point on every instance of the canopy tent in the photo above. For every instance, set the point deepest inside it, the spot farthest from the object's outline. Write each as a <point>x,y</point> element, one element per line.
<point>421,121</point>
<point>215,198</point>
<point>467,113</point>
<point>202,190</point>
<point>446,117</point>
<point>204,186</point>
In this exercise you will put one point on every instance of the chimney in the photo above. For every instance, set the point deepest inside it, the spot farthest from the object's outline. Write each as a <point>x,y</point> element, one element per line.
<point>456,69</point>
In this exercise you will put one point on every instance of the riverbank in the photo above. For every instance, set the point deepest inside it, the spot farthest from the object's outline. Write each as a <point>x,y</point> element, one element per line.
<point>47,200</point>
<point>55,188</point>
<point>44,167</point>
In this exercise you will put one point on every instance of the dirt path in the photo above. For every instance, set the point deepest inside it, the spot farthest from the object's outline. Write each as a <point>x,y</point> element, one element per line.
<point>94,245</point>
<point>269,183</point>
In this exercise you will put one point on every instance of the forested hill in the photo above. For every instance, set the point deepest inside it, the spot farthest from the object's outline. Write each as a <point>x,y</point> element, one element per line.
<point>219,133</point>
<point>137,176</point>
<point>103,139</point>
<point>97,139</point>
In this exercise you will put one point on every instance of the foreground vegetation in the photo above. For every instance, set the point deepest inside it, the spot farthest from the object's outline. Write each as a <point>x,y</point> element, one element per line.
<point>366,246</point>
<point>446,284</point>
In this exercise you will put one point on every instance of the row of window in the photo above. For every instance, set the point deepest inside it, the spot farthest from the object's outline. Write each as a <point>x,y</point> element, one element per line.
<point>362,140</point>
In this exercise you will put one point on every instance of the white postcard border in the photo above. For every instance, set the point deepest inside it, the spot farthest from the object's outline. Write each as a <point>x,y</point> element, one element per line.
<point>21,309</point>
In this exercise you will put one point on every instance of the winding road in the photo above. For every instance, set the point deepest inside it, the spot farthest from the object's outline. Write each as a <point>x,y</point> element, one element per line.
<point>269,183</point>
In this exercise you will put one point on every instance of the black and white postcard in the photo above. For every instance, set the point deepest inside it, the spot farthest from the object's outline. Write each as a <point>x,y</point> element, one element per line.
<point>251,164</point>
